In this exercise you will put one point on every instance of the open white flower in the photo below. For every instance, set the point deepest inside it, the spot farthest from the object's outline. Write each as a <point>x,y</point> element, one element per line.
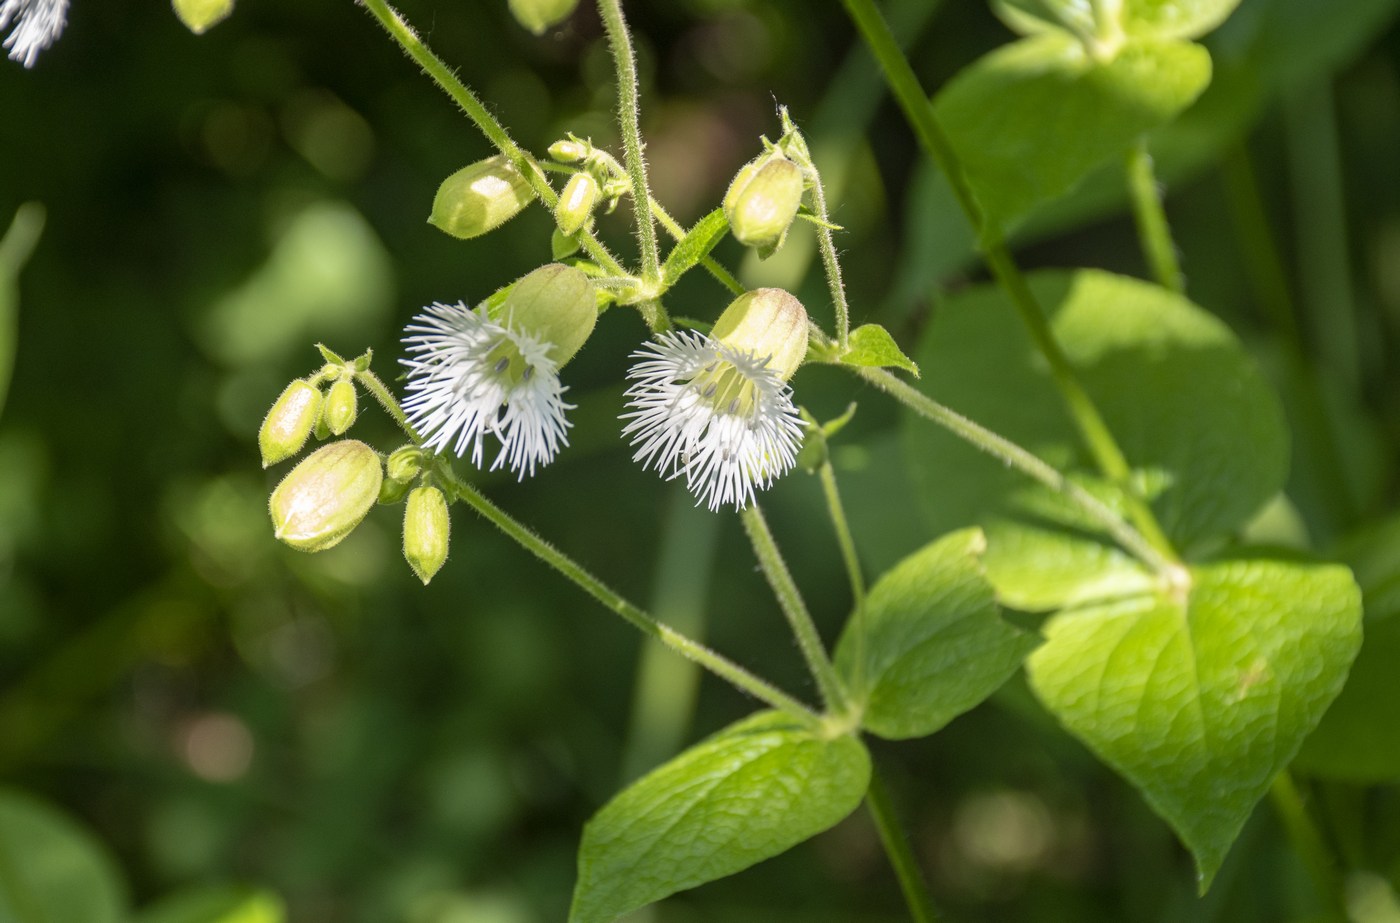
<point>717,408</point>
<point>37,25</point>
<point>472,376</point>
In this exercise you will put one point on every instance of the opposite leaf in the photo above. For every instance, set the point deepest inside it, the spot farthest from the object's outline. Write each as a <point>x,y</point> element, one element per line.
<point>872,346</point>
<point>933,645</point>
<point>694,246</point>
<point>1200,702</point>
<point>752,791</point>
<point>51,869</point>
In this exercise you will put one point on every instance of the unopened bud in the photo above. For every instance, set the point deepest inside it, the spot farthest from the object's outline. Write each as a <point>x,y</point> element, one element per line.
<point>324,497</point>
<point>289,422</point>
<point>763,200</point>
<point>341,406</point>
<point>540,15</point>
<point>576,203</point>
<point>404,463</point>
<point>480,198</point>
<point>569,151</point>
<point>766,322</point>
<point>426,525</point>
<point>200,15</point>
<point>555,304</point>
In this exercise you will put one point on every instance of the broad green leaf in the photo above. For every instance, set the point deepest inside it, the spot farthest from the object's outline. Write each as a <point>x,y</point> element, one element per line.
<point>872,346</point>
<point>227,904</point>
<point>933,644</point>
<point>1032,118</point>
<point>1200,698</point>
<point>1175,18</point>
<point>694,246</point>
<point>750,792</point>
<point>15,247</point>
<point>51,869</point>
<point>1192,413</point>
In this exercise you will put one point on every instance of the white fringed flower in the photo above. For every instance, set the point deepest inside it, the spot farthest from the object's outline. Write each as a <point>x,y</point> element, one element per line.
<point>471,376</point>
<point>37,25</point>
<point>720,415</point>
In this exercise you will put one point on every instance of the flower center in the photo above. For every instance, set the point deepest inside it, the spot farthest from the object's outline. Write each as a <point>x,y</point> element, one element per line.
<point>726,389</point>
<point>508,365</point>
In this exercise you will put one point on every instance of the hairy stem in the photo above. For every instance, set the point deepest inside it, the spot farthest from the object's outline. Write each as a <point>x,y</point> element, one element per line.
<point>896,843</point>
<point>770,560</point>
<point>826,243</point>
<point>847,544</point>
<point>1153,229</point>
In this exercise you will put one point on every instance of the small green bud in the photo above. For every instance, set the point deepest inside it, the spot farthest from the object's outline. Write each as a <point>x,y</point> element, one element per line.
<point>341,406</point>
<point>767,322</point>
<point>569,151</point>
<point>763,200</point>
<point>541,15</point>
<point>289,422</point>
<point>200,15</point>
<point>480,198</point>
<point>391,491</point>
<point>324,497</point>
<point>404,463</point>
<point>556,304</point>
<point>576,203</point>
<point>425,531</point>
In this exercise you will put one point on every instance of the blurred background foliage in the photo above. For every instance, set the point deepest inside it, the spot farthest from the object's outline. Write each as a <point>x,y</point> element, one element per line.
<point>186,704</point>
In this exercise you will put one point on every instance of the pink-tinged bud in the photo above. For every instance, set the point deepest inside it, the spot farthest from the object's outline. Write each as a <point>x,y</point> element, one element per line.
<point>325,496</point>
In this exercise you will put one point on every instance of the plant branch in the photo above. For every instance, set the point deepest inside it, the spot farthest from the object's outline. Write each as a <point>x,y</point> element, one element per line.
<point>896,843</point>
<point>1311,848</point>
<point>847,544</point>
<point>1153,230</point>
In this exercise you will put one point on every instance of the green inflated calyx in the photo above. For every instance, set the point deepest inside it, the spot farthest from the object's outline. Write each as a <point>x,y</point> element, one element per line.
<point>323,498</point>
<point>539,16</point>
<point>426,527</point>
<point>288,424</point>
<point>554,304</point>
<point>342,406</point>
<point>763,200</point>
<point>201,15</point>
<point>480,198</point>
<point>767,322</point>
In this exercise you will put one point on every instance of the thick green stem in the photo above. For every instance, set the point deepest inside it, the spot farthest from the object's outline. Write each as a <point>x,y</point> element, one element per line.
<point>629,121</point>
<point>896,843</point>
<point>1308,843</point>
<point>714,662</point>
<point>495,132</point>
<point>1153,230</point>
<point>1088,421</point>
<point>770,560</point>
<point>847,544</point>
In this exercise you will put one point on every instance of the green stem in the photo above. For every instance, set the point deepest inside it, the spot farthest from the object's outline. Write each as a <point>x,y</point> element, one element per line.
<point>827,245</point>
<point>770,560</point>
<point>1088,421</point>
<point>1030,465</point>
<point>673,227</point>
<point>896,843</point>
<point>628,119</point>
<point>1153,230</point>
<point>714,662</point>
<point>1308,842</point>
<point>847,544</point>
<point>495,132</point>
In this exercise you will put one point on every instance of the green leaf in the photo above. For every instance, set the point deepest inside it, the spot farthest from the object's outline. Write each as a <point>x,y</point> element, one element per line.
<point>750,792</point>
<point>220,904</point>
<point>1194,417</point>
<point>51,869</point>
<point>1201,698</point>
<point>934,644</point>
<point>15,247</point>
<point>694,246</point>
<point>1033,118</point>
<point>1162,19</point>
<point>872,346</point>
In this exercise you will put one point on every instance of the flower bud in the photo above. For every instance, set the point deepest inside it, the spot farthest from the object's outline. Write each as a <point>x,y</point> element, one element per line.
<point>576,203</point>
<point>767,322</point>
<point>341,406</point>
<point>763,200</point>
<point>404,463</point>
<point>289,422</point>
<point>324,497</point>
<point>425,531</point>
<point>200,15</point>
<point>555,304</point>
<point>569,151</point>
<point>480,198</point>
<point>540,15</point>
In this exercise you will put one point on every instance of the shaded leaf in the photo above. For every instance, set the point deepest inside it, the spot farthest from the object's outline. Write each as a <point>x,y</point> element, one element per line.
<point>51,869</point>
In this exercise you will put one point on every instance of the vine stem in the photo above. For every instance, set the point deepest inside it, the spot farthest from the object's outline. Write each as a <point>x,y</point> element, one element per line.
<point>770,560</point>
<point>1308,843</point>
<point>1153,229</point>
<point>896,843</point>
<point>400,31</point>
<point>571,570</point>
<point>826,243</point>
<point>629,121</point>
<point>847,544</point>
<point>904,84</point>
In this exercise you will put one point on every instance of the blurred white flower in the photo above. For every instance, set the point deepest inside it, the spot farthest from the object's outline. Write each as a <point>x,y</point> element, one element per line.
<point>37,25</point>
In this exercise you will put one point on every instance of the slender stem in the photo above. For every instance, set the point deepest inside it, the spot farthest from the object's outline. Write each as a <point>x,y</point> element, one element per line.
<point>628,118</point>
<point>1153,230</point>
<point>22,237</point>
<point>714,662</point>
<point>896,843</point>
<point>673,227</point>
<point>827,245</point>
<point>912,99</point>
<point>495,132</point>
<point>770,559</point>
<point>848,555</point>
<point>1028,464</point>
<point>1307,841</point>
